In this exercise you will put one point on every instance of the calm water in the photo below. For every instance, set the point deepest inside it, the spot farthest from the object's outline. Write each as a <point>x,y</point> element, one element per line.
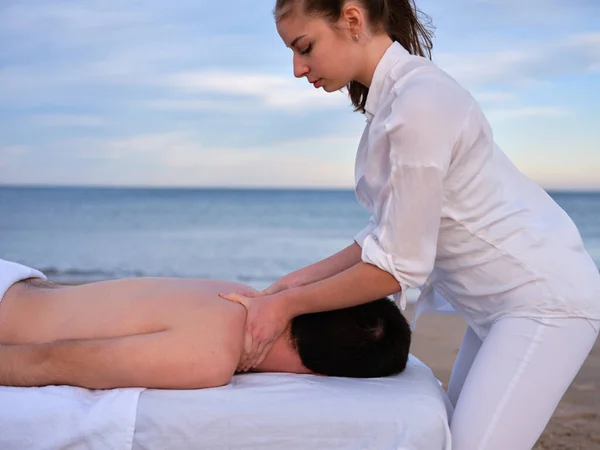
<point>254,236</point>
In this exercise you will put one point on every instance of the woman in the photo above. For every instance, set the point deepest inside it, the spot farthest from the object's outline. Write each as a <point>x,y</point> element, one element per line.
<point>450,214</point>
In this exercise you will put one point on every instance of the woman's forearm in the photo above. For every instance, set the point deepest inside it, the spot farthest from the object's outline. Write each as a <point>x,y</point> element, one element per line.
<point>325,268</point>
<point>358,284</point>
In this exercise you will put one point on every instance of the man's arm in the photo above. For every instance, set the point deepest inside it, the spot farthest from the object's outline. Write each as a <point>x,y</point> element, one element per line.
<point>169,359</point>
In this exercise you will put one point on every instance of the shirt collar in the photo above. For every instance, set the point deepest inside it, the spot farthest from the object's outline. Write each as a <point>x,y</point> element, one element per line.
<point>394,54</point>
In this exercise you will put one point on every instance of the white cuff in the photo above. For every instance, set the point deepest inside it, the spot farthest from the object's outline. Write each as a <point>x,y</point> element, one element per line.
<point>373,254</point>
<point>362,234</point>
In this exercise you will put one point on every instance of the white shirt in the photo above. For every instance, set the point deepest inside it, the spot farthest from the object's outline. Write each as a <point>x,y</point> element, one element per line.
<point>452,215</point>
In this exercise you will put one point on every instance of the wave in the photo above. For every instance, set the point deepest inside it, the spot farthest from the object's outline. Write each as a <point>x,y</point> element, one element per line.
<point>72,275</point>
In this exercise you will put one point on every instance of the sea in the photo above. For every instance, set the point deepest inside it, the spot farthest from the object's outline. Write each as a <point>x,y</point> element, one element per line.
<point>255,236</point>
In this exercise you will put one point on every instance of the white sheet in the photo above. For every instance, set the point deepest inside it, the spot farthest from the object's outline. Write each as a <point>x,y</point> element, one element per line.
<point>64,417</point>
<point>255,411</point>
<point>293,412</point>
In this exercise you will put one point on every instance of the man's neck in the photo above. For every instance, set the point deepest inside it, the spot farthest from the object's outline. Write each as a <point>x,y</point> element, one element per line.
<point>282,357</point>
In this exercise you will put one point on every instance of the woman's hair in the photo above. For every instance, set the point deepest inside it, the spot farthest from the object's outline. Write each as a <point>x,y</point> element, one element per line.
<point>401,20</point>
<point>364,341</point>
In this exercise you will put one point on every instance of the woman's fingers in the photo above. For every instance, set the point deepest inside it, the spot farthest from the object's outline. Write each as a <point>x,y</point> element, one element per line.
<point>273,289</point>
<point>264,324</point>
<point>237,298</point>
<point>262,354</point>
<point>261,349</point>
<point>250,355</point>
<point>248,341</point>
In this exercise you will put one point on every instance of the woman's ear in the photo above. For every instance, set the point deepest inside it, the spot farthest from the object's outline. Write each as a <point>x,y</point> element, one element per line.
<point>352,19</point>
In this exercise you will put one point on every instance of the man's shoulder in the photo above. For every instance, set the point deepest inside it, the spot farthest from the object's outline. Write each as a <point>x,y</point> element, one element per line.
<point>218,286</point>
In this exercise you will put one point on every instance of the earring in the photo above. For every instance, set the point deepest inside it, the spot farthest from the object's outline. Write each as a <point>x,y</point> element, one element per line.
<point>356,38</point>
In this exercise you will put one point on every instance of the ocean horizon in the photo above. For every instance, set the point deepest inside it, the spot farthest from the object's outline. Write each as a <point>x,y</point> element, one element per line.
<point>252,235</point>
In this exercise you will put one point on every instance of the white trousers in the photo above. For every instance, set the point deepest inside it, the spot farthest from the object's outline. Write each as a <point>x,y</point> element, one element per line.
<point>506,388</point>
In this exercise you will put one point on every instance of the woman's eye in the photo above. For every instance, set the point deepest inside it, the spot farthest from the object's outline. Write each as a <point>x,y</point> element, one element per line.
<point>307,50</point>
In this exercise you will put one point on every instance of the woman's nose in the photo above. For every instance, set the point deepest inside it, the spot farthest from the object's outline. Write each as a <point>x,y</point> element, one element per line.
<point>300,68</point>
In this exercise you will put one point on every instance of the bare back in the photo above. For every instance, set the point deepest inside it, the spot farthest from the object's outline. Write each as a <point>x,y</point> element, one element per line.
<point>36,311</point>
<point>143,332</point>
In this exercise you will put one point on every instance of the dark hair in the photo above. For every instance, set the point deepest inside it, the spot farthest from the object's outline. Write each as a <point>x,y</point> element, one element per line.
<point>401,20</point>
<point>364,341</point>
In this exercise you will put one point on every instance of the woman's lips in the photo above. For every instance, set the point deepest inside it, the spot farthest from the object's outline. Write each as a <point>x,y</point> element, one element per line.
<point>317,84</point>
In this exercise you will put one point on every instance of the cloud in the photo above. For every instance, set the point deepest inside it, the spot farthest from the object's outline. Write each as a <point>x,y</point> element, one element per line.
<point>67,16</point>
<point>494,97</point>
<point>192,92</point>
<point>184,149</point>
<point>585,47</point>
<point>519,113</point>
<point>12,150</point>
<point>96,46</point>
<point>489,16</point>
<point>220,105</point>
<point>183,159</point>
<point>532,63</point>
<point>272,91</point>
<point>9,153</point>
<point>175,150</point>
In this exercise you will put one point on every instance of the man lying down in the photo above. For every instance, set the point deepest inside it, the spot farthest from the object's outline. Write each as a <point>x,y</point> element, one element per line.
<point>169,333</point>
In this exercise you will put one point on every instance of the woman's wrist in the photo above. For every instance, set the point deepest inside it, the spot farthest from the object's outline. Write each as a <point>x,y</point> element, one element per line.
<point>285,301</point>
<point>293,281</point>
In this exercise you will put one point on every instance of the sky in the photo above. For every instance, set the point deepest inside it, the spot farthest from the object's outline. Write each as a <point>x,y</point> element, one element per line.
<point>201,93</point>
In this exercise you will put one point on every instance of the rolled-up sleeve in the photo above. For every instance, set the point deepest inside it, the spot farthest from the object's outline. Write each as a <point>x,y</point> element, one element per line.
<point>404,242</point>
<point>366,231</point>
<point>417,141</point>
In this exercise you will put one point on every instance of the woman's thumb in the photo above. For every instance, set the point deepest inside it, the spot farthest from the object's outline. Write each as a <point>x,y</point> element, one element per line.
<point>273,289</point>
<point>237,298</point>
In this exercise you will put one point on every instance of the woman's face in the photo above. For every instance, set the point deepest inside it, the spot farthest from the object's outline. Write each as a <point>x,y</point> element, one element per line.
<point>327,57</point>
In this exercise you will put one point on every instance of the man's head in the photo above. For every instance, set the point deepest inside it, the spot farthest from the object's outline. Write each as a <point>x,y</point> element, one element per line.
<point>364,341</point>
<point>369,340</point>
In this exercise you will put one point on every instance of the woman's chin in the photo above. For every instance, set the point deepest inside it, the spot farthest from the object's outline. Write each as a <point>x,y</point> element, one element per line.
<point>332,87</point>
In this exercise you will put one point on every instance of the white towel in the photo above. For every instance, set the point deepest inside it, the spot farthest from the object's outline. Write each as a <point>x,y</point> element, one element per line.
<point>11,272</point>
<point>60,417</point>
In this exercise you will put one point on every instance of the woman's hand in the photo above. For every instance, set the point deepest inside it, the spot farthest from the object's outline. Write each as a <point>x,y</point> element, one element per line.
<point>283,284</point>
<point>278,286</point>
<point>266,320</point>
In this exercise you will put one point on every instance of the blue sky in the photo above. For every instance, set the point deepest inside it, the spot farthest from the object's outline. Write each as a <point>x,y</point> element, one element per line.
<point>201,93</point>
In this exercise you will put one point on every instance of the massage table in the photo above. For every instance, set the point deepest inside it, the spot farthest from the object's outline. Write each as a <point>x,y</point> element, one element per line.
<point>254,411</point>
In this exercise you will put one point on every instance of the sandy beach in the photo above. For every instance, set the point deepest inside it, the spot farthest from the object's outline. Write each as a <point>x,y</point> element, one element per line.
<point>576,422</point>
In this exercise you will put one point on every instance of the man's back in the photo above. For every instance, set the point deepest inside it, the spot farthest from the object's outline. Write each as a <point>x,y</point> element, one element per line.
<point>36,311</point>
<point>165,325</point>
<point>178,334</point>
